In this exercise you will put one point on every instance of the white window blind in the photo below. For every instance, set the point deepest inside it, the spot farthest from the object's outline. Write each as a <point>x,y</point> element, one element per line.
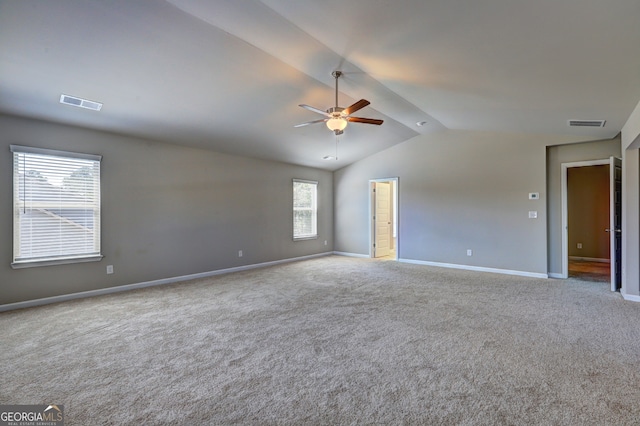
<point>56,206</point>
<point>305,209</point>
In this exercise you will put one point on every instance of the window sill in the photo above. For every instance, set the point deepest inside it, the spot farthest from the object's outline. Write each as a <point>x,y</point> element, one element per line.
<point>52,262</point>
<point>312,237</point>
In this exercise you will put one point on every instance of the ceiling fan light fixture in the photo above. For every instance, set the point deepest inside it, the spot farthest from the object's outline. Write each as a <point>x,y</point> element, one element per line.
<point>337,123</point>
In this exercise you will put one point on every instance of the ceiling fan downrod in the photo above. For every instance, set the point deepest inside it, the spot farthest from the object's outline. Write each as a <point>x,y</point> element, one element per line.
<point>336,75</point>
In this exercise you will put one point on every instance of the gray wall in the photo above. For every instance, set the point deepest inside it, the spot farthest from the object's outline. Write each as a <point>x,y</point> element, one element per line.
<point>631,205</point>
<point>167,211</point>
<point>631,219</point>
<point>458,190</point>
<point>556,155</point>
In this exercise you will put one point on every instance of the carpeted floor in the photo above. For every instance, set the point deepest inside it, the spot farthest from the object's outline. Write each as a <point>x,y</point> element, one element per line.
<point>333,340</point>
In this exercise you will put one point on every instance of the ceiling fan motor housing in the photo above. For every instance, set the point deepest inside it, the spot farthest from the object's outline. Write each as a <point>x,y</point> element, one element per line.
<point>336,111</point>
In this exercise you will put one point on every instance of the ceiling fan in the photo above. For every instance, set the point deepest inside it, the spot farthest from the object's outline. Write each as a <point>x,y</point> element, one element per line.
<point>338,117</point>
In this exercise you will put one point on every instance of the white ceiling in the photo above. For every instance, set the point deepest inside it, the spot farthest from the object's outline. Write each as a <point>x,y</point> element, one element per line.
<point>228,75</point>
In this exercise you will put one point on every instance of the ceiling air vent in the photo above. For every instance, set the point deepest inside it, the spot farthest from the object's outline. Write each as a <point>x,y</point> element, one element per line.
<point>80,103</point>
<point>587,123</point>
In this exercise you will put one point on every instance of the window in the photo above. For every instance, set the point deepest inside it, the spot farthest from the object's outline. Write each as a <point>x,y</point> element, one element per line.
<point>56,207</point>
<point>305,209</point>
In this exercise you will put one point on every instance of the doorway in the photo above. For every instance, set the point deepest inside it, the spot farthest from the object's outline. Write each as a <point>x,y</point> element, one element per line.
<point>591,221</point>
<point>383,219</point>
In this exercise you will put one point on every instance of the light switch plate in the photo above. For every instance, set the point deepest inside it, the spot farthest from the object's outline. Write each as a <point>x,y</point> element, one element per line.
<point>533,215</point>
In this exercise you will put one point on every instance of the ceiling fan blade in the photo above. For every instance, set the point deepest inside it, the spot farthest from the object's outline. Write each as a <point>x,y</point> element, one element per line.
<point>365,120</point>
<point>310,108</point>
<point>322,120</point>
<point>355,107</point>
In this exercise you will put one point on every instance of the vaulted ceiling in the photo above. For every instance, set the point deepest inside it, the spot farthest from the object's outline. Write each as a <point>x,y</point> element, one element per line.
<point>229,75</point>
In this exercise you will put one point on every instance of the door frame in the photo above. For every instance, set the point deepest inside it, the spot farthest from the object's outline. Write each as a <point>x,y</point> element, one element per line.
<point>396,207</point>
<point>565,214</point>
<point>615,233</point>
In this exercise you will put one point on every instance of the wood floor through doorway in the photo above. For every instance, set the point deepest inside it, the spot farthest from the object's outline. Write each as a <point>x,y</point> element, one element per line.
<point>589,271</point>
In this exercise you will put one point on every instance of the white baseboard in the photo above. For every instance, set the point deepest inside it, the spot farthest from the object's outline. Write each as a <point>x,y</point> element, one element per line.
<point>127,287</point>
<point>630,297</point>
<point>556,275</point>
<point>476,268</point>
<point>344,253</point>
<point>590,259</point>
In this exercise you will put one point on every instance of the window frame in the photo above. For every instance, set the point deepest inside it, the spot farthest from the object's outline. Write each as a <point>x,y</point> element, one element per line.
<point>314,210</point>
<point>18,261</point>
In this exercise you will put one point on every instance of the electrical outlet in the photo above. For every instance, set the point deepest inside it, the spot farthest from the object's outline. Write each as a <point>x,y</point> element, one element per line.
<point>469,252</point>
<point>239,253</point>
<point>533,215</point>
<point>109,269</point>
<point>579,245</point>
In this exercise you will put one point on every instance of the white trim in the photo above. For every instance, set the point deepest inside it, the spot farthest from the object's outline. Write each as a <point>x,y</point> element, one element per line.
<point>127,287</point>
<point>314,210</point>
<point>54,164</point>
<point>396,198</point>
<point>315,182</point>
<point>476,268</point>
<point>590,259</point>
<point>613,249</point>
<point>54,152</point>
<point>344,253</point>
<point>630,297</point>
<point>312,237</point>
<point>555,275</point>
<point>565,217</point>
<point>52,262</point>
<point>601,162</point>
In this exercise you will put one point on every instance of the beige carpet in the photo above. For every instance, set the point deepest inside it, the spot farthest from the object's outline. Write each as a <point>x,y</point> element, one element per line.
<point>333,340</point>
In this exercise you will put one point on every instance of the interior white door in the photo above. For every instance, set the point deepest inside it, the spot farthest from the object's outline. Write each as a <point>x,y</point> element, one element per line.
<point>382,219</point>
<point>615,219</point>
